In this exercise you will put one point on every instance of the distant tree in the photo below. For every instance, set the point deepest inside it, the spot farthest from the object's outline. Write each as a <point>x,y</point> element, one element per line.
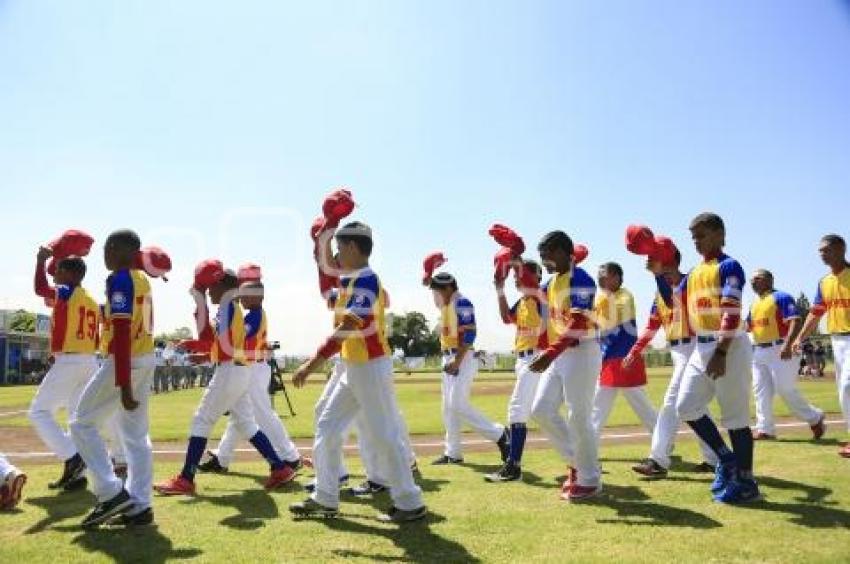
<point>22,322</point>
<point>411,334</point>
<point>179,334</point>
<point>804,306</point>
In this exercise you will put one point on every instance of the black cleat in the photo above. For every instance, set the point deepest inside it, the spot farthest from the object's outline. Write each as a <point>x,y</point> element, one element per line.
<point>77,484</point>
<point>504,444</point>
<point>141,519</point>
<point>105,511</point>
<point>651,469</point>
<point>212,465</point>
<point>446,459</point>
<point>367,488</point>
<point>396,515</point>
<point>311,508</point>
<point>510,472</point>
<point>74,469</point>
<point>704,467</point>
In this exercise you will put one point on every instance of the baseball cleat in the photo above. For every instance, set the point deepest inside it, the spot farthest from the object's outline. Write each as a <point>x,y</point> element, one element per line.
<point>105,511</point>
<point>579,493</point>
<point>212,465</point>
<point>738,490</point>
<point>74,469</point>
<point>722,476</point>
<point>446,459</point>
<point>279,477</point>
<point>510,472</point>
<point>367,488</point>
<point>504,444</point>
<point>76,484</point>
<point>177,485</point>
<point>396,515</point>
<point>819,428</point>
<point>762,436</point>
<point>651,469</point>
<point>10,493</point>
<point>312,508</point>
<point>141,519</point>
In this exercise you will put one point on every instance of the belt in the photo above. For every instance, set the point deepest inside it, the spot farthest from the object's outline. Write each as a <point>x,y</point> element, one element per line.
<point>677,342</point>
<point>706,339</point>
<point>526,353</point>
<point>233,362</point>
<point>769,344</point>
<point>449,352</point>
<point>842,334</point>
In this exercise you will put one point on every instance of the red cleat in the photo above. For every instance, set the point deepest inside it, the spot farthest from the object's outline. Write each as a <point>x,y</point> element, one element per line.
<point>819,428</point>
<point>279,477</point>
<point>578,493</point>
<point>177,485</point>
<point>568,483</point>
<point>845,452</point>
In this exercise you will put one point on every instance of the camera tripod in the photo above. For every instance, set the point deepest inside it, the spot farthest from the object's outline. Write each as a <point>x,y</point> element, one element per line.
<point>276,384</point>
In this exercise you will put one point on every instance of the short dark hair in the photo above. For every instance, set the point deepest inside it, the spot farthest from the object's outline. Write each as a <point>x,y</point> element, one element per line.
<point>613,268</point>
<point>358,233</point>
<point>710,220</point>
<point>126,239</point>
<point>443,280</point>
<point>834,239</point>
<point>230,280</point>
<point>74,265</point>
<point>534,266</point>
<point>556,240</point>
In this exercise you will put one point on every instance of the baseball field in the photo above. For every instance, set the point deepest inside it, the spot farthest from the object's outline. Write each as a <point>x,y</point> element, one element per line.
<point>804,515</point>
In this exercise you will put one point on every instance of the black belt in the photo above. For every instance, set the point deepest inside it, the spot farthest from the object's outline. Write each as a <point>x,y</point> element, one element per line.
<point>769,344</point>
<point>526,353</point>
<point>706,339</point>
<point>842,334</point>
<point>449,352</point>
<point>677,342</point>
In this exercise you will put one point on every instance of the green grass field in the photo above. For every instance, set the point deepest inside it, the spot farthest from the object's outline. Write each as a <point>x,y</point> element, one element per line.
<point>804,516</point>
<point>171,413</point>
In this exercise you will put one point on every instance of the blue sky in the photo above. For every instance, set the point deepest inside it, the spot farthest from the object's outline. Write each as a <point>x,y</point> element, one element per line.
<point>215,128</point>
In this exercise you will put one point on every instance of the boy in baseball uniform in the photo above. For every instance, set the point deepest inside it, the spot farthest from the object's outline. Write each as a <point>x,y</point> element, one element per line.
<point>74,335</point>
<point>366,386</point>
<point>528,314</point>
<point>721,363</point>
<point>570,368</point>
<point>832,300</point>
<point>773,318</point>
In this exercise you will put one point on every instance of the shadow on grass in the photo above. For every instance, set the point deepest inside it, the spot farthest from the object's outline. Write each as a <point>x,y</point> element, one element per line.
<point>812,509</point>
<point>142,544</point>
<point>829,441</point>
<point>634,508</point>
<point>60,507</point>
<point>253,508</point>
<point>528,478</point>
<point>417,540</point>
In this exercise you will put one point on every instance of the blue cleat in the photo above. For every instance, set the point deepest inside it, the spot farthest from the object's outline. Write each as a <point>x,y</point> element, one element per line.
<point>738,490</point>
<point>722,476</point>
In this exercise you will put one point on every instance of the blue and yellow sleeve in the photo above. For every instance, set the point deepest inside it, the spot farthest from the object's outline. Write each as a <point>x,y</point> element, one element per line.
<point>466,321</point>
<point>120,292</point>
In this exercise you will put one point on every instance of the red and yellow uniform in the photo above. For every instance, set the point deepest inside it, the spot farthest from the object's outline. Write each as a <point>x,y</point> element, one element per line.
<point>129,297</point>
<point>74,321</point>
<point>569,298</point>
<point>256,333</point>
<point>714,289</point>
<point>615,318</point>
<point>362,299</point>
<point>833,299</point>
<point>229,342</point>
<point>529,317</point>
<point>770,317</point>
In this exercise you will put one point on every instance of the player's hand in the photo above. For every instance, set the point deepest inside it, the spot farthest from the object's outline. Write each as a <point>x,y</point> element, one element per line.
<point>716,366</point>
<point>786,353</point>
<point>299,377</point>
<point>540,364</point>
<point>44,253</point>
<point>654,267</point>
<point>453,367</point>
<point>797,347</point>
<point>499,284</point>
<point>127,399</point>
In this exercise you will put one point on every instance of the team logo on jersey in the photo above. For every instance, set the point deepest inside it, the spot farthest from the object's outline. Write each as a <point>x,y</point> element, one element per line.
<point>119,301</point>
<point>465,316</point>
<point>360,300</point>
